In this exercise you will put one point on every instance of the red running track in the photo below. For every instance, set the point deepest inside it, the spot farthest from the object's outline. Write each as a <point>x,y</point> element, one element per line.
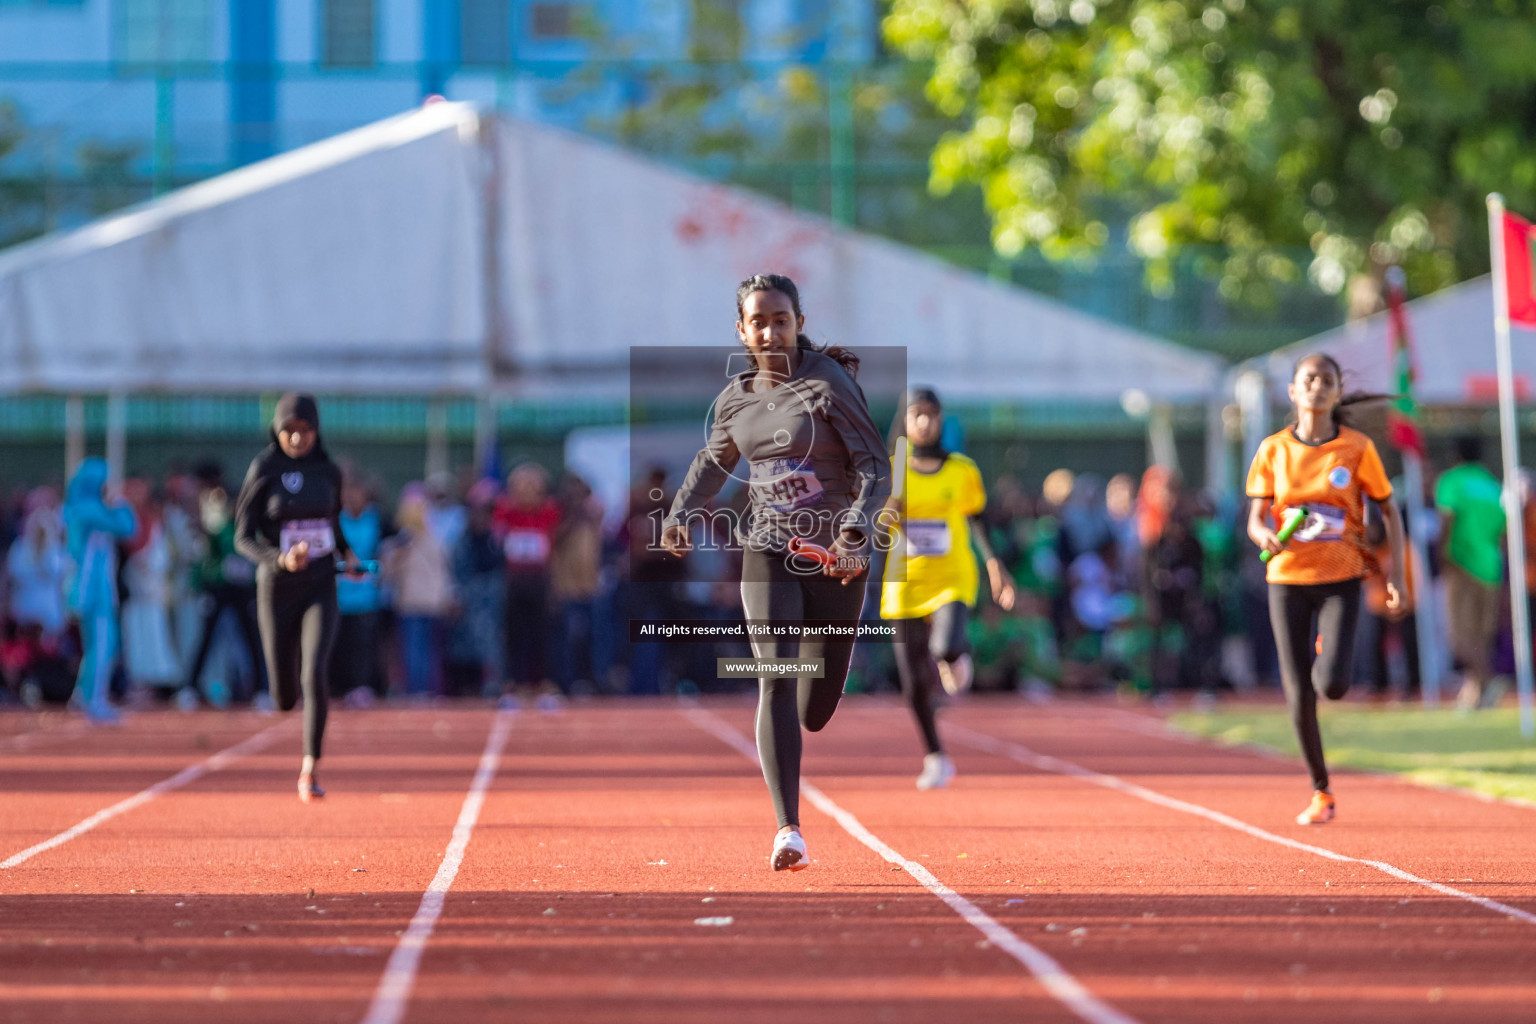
<point>1079,834</point>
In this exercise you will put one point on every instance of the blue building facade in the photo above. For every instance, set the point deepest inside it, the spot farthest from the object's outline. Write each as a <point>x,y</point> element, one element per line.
<point>191,87</point>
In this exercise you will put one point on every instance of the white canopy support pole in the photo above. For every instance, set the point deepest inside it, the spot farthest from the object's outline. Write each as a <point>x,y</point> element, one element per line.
<point>117,436</point>
<point>485,430</point>
<point>1425,612</point>
<point>1253,401</point>
<point>1509,431</point>
<point>496,347</point>
<point>1161,449</point>
<point>74,434</point>
<point>1218,455</point>
<point>437,437</point>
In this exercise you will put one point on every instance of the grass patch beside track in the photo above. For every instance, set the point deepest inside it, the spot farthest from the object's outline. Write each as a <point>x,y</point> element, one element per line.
<point>1482,751</point>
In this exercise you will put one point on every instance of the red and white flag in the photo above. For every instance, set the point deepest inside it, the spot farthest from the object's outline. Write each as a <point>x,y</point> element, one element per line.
<point>1520,269</point>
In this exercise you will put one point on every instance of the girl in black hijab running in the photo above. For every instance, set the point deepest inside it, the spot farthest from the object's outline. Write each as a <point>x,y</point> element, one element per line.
<point>818,474</point>
<point>286,522</point>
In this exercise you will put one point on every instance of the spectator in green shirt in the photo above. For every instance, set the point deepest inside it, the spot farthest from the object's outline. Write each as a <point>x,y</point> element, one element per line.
<point>1468,498</point>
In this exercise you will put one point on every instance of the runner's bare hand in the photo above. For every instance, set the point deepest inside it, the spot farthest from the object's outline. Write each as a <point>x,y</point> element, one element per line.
<point>846,565</point>
<point>296,558</point>
<point>1003,590</point>
<point>1267,540</point>
<point>674,540</point>
<point>1396,588</point>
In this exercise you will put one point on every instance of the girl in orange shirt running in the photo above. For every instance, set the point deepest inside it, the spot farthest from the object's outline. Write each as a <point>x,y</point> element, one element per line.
<point>1329,470</point>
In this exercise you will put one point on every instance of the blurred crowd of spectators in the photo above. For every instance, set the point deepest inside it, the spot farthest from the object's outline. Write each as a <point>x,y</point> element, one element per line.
<point>527,589</point>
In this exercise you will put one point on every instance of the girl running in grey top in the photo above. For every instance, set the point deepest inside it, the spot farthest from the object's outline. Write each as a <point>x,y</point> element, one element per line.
<point>818,471</point>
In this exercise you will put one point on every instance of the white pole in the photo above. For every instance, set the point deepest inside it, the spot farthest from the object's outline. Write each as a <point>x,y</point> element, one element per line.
<point>1426,618</point>
<point>486,411</point>
<point>1218,454</point>
<point>1161,447</point>
<point>437,437</point>
<point>74,434</point>
<point>1253,401</point>
<point>1509,429</point>
<point>117,436</point>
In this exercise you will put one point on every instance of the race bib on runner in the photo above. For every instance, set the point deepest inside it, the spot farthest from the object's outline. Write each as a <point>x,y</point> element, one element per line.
<point>1323,522</point>
<point>927,538</point>
<point>316,533</point>
<point>526,547</point>
<point>783,485</point>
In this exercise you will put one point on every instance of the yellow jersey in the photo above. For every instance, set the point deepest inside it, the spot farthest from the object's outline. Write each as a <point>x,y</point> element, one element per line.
<point>931,564</point>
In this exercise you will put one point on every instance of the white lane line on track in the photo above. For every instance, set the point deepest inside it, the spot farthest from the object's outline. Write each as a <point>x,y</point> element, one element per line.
<point>1160,728</point>
<point>192,773</point>
<point>1056,766</point>
<point>28,740</point>
<point>393,995</point>
<point>1051,975</point>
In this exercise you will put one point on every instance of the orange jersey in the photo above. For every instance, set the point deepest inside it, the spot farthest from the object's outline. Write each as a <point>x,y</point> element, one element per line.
<point>1331,480</point>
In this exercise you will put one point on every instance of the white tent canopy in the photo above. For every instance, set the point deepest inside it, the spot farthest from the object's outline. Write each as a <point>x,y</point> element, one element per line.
<point>601,250</point>
<point>349,265</point>
<point>441,251</point>
<point>1452,333</point>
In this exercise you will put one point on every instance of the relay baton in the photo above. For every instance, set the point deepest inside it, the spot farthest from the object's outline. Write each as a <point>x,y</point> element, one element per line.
<point>365,566</point>
<point>815,552</point>
<point>1294,517</point>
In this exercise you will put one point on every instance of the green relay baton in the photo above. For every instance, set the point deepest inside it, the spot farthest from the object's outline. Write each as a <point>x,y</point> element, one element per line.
<point>1294,517</point>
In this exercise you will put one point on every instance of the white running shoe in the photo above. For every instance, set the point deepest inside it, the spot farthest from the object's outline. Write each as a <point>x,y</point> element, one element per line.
<point>103,713</point>
<point>938,769</point>
<point>359,698</point>
<point>956,675</point>
<point>789,852</point>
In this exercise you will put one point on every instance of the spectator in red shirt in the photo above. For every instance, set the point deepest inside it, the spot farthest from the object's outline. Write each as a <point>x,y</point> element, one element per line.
<point>526,521</point>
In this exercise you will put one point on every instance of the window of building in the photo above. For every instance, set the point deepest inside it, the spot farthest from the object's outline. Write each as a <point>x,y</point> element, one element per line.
<point>716,30</point>
<point>348,33</point>
<point>485,31</point>
<point>163,30</point>
<point>549,21</point>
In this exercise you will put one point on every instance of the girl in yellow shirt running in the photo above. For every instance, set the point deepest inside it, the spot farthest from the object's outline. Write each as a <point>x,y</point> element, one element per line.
<point>930,575</point>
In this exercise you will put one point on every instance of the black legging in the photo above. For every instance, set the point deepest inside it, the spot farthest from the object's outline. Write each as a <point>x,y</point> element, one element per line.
<point>527,626</point>
<point>1305,673</point>
<point>920,645</point>
<point>297,617</point>
<point>773,592</point>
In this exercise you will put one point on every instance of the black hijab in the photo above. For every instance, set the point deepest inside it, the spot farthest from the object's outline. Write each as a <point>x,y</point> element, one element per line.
<point>296,405</point>
<point>927,396</point>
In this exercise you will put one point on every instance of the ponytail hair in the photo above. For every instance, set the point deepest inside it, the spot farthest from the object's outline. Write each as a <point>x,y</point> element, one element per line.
<point>1342,415</point>
<point>779,283</point>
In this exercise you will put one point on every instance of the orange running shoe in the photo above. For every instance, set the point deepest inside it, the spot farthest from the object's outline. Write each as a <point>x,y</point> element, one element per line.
<point>309,789</point>
<point>1319,811</point>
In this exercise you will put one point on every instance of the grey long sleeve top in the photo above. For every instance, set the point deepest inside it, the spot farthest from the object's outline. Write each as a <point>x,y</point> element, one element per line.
<point>815,461</point>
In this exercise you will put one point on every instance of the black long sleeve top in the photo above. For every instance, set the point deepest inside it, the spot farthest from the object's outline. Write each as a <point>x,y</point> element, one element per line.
<point>284,500</point>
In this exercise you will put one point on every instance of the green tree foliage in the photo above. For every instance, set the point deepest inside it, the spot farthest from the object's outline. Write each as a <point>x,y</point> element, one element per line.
<point>775,127</point>
<point>21,195</point>
<point>1368,132</point>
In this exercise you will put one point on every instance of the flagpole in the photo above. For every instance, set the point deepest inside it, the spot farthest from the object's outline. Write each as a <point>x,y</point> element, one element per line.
<point>1509,429</point>
<point>1426,614</point>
